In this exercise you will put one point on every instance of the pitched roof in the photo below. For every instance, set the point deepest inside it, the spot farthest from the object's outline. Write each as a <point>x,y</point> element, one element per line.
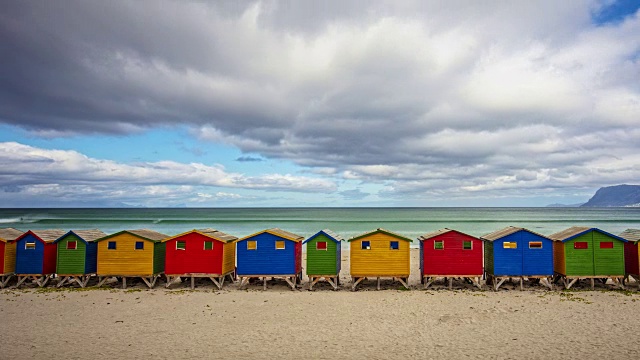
<point>380,230</point>
<point>208,232</point>
<point>85,235</point>
<point>330,234</point>
<point>279,233</point>
<point>631,235</point>
<point>145,234</point>
<point>575,231</point>
<point>47,236</point>
<point>8,234</point>
<point>440,232</point>
<point>499,234</point>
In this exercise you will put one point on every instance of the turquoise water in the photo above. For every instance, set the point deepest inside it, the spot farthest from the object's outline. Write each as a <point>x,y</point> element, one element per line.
<point>347,222</point>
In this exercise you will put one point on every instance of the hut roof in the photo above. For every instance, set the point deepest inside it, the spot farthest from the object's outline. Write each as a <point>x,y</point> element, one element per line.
<point>440,232</point>
<point>279,233</point>
<point>499,234</point>
<point>632,235</point>
<point>9,234</point>
<point>575,231</point>
<point>85,235</point>
<point>380,230</point>
<point>47,236</point>
<point>330,234</point>
<point>145,234</point>
<point>208,232</point>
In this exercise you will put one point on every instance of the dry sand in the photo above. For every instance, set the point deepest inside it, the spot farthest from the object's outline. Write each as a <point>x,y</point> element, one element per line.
<point>323,324</point>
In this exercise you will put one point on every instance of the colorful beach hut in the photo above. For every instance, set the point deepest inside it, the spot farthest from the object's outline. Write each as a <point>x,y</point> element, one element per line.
<point>77,256</point>
<point>517,253</point>
<point>377,254</point>
<point>582,252</point>
<point>7,254</point>
<point>631,254</point>
<point>131,254</point>
<point>36,256</point>
<point>450,254</point>
<point>272,253</point>
<point>207,253</point>
<point>324,253</point>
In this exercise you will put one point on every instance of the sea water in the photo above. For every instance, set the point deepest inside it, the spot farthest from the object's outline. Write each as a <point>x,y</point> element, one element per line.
<point>347,222</point>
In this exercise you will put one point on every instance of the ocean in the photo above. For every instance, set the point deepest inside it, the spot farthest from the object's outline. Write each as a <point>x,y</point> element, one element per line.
<point>347,222</point>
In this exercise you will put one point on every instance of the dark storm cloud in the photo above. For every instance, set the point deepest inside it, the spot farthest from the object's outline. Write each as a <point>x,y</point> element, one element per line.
<point>455,96</point>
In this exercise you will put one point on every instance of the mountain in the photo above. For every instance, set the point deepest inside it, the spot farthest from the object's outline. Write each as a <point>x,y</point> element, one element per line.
<point>619,195</point>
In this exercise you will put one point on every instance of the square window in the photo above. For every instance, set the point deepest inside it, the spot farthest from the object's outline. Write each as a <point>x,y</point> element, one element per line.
<point>366,245</point>
<point>509,245</point>
<point>71,245</point>
<point>252,245</point>
<point>280,245</point>
<point>394,245</point>
<point>139,245</point>
<point>111,245</point>
<point>30,245</point>
<point>181,245</point>
<point>606,245</point>
<point>535,244</point>
<point>467,245</point>
<point>438,245</point>
<point>581,245</point>
<point>208,245</point>
<point>321,245</point>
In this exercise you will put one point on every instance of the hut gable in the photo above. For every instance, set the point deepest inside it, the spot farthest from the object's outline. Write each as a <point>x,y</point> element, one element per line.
<point>131,253</point>
<point>632,235</point>
<point>324,253</point>
<point>516,251</point>
<point>200,251</point>
<point>270,252</point>
<point>36,252</point>
<point>450,252</point>
<point>586,251</point>
<point>380,253</point>
<point>77,252</point>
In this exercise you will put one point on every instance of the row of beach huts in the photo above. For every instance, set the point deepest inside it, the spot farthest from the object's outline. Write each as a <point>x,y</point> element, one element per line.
<point>74,257</point>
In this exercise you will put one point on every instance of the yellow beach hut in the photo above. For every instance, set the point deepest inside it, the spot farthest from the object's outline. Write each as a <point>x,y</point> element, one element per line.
<point>380,253</point>
<point>131,254</point>
<point>7,254</point>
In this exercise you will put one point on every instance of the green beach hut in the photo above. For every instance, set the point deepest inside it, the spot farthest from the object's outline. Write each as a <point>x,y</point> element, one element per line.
<point>77,256</point>
<point>582,252</point>
<point>323,258</point>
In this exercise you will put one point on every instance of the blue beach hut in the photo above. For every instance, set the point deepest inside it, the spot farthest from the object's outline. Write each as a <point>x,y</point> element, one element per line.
<point>515,252</point>
<point>273,253</point>
<point>36,256</point>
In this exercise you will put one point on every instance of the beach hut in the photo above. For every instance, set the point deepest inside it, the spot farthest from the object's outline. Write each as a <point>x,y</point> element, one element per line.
<point>450,254</point>
<point>273,253</point>
<point>582,252</point>
<point>631,254</point>
<point>380,253</point>
<point>131,254</point>
<point>77,256</point>
<point>517,253</point>
<point>7,254</point>
<point>36,256</point>
<point>323,258</point>
<point>207,253</point>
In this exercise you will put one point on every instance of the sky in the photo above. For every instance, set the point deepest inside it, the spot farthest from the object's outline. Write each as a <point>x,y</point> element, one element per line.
<point>331,103</point>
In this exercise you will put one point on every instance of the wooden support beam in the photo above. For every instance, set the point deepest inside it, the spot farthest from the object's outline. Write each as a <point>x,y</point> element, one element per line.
<point>593,283</point>
<point>124,282</point>
<point>404,282</point>
<point>291,282</point>
<point>428,282</point>
<point>378,286</point>
<point>355,283</point>
<point>62,281</point>
<point>193,282</point>
<point>450,283</point>
<point>521,286</point>
<point>497,286</point>
<point>101,280</point>
<point>333,283</point>
<point>570,284</point>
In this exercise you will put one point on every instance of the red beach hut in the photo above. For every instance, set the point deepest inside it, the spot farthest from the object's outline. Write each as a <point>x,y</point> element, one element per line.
<point>451,254</point>
<point>200,253</point>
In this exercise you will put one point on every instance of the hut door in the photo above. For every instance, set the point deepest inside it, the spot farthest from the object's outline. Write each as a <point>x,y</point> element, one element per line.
<point>608,255</point>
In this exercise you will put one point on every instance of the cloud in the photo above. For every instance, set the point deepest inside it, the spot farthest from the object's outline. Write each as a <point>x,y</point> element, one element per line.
<point>35,171</point>
<point>423,98</point>
<point>249,159</point>
<point>354,194</point>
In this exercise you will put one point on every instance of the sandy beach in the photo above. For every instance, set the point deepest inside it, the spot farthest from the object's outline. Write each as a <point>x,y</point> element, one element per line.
<point>323,324</point>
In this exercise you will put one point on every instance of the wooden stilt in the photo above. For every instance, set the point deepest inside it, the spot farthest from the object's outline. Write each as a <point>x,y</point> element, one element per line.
<point>291,282</point>
<point>450,283</point>
<point>193,283</point>
<point>568,285</point>
<point>378,286</point>
<point>593,283</point>
<point>124,282</point>
<point>264,283</point>
<point>521,286</point>
<point>404,282</point>
<point>355,282</point>
<point>101,281</point>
